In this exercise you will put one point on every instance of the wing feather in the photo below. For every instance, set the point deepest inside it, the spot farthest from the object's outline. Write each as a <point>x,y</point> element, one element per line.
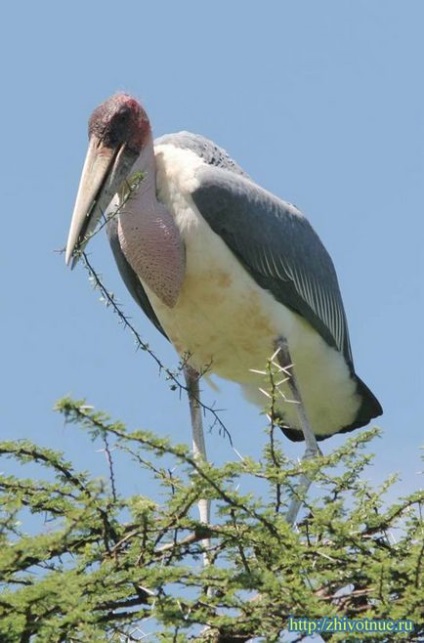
<point>278,247</point>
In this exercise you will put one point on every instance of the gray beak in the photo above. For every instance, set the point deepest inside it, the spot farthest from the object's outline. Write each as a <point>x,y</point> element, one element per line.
<point>104,170</point>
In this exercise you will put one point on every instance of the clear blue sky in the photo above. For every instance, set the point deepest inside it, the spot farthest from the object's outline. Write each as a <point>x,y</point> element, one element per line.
<point>320,102</point>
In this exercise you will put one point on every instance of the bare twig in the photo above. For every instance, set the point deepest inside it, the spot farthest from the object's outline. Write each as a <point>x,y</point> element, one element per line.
<point>171,376</point>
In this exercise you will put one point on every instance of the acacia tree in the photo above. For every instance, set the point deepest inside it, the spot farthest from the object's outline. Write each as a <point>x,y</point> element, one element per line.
<point>107,563</point>
<point>104,566</point>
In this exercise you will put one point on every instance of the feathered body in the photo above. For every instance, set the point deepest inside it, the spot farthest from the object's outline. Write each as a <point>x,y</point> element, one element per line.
<point>254,271</point>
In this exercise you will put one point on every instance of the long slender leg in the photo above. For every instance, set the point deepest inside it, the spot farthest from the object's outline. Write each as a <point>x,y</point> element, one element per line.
<point>312,449</point>
<point>199,448</point>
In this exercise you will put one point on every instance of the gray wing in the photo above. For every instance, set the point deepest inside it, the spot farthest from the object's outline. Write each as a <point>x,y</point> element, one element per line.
<point>128,275</point>
<point>278,247</point>
<point>211,153</point>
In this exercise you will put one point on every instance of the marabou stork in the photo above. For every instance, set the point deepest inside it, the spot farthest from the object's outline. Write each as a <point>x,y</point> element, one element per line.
<point>228,272</point>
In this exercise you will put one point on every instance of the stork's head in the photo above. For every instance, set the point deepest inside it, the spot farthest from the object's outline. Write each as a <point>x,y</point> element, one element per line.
<point>117,131</point>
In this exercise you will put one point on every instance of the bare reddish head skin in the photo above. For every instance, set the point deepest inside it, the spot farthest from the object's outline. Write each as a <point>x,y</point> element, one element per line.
<point>120,120</point>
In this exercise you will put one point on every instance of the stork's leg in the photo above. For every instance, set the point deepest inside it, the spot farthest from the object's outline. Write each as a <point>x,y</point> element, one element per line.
<point>199,448</point>
<point>312,449</point>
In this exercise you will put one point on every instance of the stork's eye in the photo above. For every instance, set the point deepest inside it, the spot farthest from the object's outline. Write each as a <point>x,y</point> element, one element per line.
<point>117,131</point>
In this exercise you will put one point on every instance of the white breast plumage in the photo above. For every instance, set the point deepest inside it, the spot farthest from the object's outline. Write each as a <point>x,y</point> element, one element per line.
<point>227,324</point>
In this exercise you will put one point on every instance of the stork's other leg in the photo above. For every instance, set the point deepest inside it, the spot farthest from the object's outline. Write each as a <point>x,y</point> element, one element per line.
<point>312,449</point>
<point>199,448</point>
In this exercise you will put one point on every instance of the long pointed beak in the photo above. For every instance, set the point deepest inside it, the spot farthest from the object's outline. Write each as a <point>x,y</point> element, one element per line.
<point>103,171</point>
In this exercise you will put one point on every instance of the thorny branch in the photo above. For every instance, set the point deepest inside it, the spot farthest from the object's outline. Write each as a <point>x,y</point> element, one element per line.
<point>83,414</point>
<point>131,569</point>
<point>110,301</point>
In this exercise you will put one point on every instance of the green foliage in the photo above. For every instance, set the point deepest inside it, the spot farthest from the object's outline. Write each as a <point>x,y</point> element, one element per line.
<point>101,564</point>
